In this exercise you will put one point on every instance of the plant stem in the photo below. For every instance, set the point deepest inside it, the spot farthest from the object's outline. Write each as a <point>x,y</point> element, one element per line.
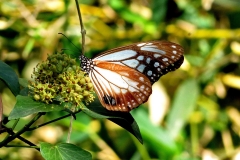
<point>83,31</point>
<point>54,120</point>
<point>14,125</point>
<point>21,131</point>
<point>70,130</point>
<point>36,147</point>
<point>10,131</point>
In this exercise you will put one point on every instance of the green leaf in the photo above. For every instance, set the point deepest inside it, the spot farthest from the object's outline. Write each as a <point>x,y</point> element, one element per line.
<point>26,105</point>
<point>122,8</point>
<point>123,119</point>
<point>156,136</point>
<point>63,151</point>
<point>129,124</point>
<point>183,105</point>
<point>8,75</point>
<point>195,60</point>
<point>159,9</point>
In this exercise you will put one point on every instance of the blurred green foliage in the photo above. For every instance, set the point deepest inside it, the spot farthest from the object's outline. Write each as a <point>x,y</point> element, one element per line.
<point>201,118</point>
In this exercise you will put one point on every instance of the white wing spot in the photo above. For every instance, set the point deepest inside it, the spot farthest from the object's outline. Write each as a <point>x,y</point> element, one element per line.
<point>113,101</point>
<point>124,91</point>
<point>149,73</point>
<point>131,89</point>
<point>142,87</point>
<point>165,59</point>
<point>130,82</point>
<point>111,76</point>
<point>120,55</point>
<point>148,60</point>
<point>131,63</point>
<point>173,46</point>
<point>141,79</point>
<point>140,58</point>
<point>141,44</point>
<point>158,69</point>
<point>156,64</point>
<point>157,55</point>
<point>174,52</point>
<point>141,67</point>
<point>152,49</point>
<point>172,57</point>
<point>115,88</point>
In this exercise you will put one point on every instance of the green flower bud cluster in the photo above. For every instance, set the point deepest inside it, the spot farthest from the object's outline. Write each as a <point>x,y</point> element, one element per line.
<point>60,78</point>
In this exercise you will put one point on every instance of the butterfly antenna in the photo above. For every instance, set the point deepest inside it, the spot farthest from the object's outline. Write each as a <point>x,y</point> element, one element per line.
<point>69,41</point>
<point>83,31</point>
<point>65,49</point>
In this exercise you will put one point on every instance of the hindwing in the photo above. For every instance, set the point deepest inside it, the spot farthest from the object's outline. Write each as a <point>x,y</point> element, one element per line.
<point>118,87</point>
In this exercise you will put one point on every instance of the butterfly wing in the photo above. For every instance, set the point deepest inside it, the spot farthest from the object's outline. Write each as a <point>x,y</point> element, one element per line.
<point>122,77</point>
<point>153,59</point>
<point>118,87</point>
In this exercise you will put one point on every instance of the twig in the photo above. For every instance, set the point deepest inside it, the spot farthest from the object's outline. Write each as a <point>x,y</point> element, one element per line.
<point>10,131</point>
<point>14,125</point>
<point>24,129</point>
<point>35,147</point>
<point>83,31</point>
<point>54,120</point>
<point>69,41</point>
<point>27,128</point>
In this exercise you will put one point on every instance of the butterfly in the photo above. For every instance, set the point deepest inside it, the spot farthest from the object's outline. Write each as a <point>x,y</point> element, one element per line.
<point>123,77</point>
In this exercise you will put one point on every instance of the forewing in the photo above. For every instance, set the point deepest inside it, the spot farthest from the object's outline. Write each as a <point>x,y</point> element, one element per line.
<point>153,59</point>
<point>119,87</point>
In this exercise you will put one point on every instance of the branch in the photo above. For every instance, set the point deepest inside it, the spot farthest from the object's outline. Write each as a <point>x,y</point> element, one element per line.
<point>54,120</point>
<point>32,145</point>
<point>21,131</point>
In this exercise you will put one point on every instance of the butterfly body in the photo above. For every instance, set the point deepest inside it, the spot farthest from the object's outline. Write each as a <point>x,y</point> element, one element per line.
<point>123,76</point>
